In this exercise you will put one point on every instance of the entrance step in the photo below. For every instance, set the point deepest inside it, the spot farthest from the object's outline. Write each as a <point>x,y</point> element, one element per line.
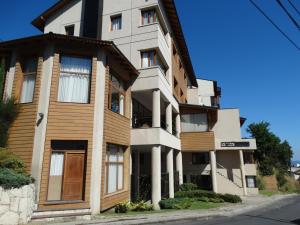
<point>60,215</point>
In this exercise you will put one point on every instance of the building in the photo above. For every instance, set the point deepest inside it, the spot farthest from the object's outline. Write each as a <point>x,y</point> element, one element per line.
<point>110,88</point>
<point>215,156</point>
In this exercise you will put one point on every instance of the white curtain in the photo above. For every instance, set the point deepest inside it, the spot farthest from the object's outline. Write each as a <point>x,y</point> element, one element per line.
<point>250,182</point>
<point>57,162</point>
<point>116,23</point>
<point>74,80</point>
<point>145,60</point>
<point>115,177</point>
<point>122,104</point>
<point>194,122</point>
<point>120,177</point>
<point>152,58</point>
<point>112,178</point>
<point>28,88</point>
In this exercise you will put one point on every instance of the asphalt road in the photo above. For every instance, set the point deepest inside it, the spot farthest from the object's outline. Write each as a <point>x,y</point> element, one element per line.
<point>286,212</point>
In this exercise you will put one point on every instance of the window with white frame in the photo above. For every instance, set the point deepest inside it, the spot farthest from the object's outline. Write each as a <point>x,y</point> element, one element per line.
<point>114,168</point>
<point>74,80</point>
<point>29,77</point>
<point>149,16</point>
<point>116,23</point>
<point>117,95</point>
<point>251,181</point>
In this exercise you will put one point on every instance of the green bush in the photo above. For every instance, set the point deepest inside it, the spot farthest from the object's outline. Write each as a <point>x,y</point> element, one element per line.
<point>176,203</point>
<point>281,180</point>
<point>11,179</point>
<point>187,187</point>
<point>122,207</point>
<point>231,198</point>
<point>260,183</point>
<point>198,194</point>
<point>11,161</point>
<point>141,206</point>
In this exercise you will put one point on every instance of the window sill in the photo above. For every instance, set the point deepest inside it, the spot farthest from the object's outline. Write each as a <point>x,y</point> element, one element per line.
<point>147,25</point>
<point>114,193</point>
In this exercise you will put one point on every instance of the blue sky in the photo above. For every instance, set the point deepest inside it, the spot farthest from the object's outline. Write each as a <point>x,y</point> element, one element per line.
<point>229,41</point>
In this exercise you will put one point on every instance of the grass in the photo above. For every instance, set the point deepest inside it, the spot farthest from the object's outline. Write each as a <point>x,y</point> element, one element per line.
<point>205,205</point>
<point>268,193</point>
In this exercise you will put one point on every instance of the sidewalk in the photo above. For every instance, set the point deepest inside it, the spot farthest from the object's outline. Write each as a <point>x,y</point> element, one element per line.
<point>249,204</point>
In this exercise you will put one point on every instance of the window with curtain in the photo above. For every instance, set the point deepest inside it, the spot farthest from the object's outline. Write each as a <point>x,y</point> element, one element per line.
<point>149,17</point>
<point>117,95</point>
<point>29,77</point>
<point>116,23</point>
<point>151,58</point>
<point>194,122</point>
<point>251,181</point>
<point>114,168</point>
<point>74,80</point>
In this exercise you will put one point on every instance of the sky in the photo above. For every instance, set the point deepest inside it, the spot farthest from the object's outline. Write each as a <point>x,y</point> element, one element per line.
<point>257,68</point>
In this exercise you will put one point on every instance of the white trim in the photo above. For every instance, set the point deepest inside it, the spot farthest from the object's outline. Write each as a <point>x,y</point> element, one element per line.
<point>43,107</point>
<point>95,196</point>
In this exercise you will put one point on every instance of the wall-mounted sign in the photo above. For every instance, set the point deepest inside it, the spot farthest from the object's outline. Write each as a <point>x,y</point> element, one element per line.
<point>235,144</point>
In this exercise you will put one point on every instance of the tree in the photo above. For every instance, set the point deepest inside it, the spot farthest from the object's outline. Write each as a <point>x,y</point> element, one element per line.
<point>1,77</point>
<point>271,152</point>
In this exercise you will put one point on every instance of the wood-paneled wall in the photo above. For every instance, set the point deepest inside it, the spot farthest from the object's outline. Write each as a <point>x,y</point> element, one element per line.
<point>21,133</point>
<point>197,141</point>
<point>116,131</point>
<point>68,121</point>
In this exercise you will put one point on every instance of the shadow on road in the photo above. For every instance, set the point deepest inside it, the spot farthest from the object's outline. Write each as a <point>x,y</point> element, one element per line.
<point>297,221</point>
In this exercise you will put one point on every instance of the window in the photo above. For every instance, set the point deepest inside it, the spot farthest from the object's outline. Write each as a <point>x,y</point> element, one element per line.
<point>151,58</point>
<point>149,17</point>
<point>29,77</point>
<point>194,122</point>
<point>114,168</point>
<point>248,158</point>
<point>74,80</point>
<point>116,23</point>
<point>200,158</point>
<point>70,30</point>
<point>251,181</point>
<point>117,95</point>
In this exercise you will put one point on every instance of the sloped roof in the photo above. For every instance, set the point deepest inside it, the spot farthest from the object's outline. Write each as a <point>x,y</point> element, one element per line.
<point>172,14</point>
<point>7,46</point>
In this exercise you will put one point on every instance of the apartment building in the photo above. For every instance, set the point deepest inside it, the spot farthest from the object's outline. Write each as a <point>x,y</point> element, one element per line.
<point>215,156</point>
<point>110,108</point>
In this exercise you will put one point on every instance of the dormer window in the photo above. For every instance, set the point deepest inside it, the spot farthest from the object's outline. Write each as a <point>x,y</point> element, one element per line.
<point>70,30</point>
<point>116,23</point>
<point>149,17</point>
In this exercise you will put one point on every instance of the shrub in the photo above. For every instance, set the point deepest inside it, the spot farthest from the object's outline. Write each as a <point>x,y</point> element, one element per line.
<point>11,161</point>
<point>122,207</point>
<point>141,206</point>
<point>231,198</point>
<point>208,194</point>
<point>260,183</point>
<point>11,179</point>
<point>176,203</point>
<point>188,187</point>
<point>281,180</point>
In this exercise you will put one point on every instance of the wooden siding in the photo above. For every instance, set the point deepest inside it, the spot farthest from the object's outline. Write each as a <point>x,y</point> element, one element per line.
<point>179,74</point>
<point>197,141</point>
<point>21,133</point>
<point>68,121</point>
<point>116,131</point>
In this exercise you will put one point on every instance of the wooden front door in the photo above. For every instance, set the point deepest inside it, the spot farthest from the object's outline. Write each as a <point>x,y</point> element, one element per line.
<point>73,176</point>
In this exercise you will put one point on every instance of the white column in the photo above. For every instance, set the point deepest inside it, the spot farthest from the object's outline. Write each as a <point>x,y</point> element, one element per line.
<point>179,166</point>
<point>178,125</point>
<point>156,108</point>
<point>169,118</point>
<point>170,170</point>
<point>97,150</point>
<point>243,172</point>
<point>213,165</point>
<point>156,176</point>
<point>40,130</point>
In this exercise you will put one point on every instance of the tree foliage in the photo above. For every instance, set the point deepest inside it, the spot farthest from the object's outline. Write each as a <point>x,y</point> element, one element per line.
<point>271,151</point>
<point>1,77</point>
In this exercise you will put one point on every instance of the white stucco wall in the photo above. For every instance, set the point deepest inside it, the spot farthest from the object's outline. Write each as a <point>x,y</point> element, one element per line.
<point>205,91</point>
<point>69,15</point>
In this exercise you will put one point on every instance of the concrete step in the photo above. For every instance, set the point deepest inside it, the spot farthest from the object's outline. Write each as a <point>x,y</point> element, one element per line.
<point>60,215</point>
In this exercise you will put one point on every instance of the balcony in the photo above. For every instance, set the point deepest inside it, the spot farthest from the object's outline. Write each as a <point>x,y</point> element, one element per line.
<point>154,136</point>
<point>197,141</point>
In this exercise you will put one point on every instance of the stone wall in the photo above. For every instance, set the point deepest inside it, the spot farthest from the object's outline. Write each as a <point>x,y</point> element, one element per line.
<point>16,205</point>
